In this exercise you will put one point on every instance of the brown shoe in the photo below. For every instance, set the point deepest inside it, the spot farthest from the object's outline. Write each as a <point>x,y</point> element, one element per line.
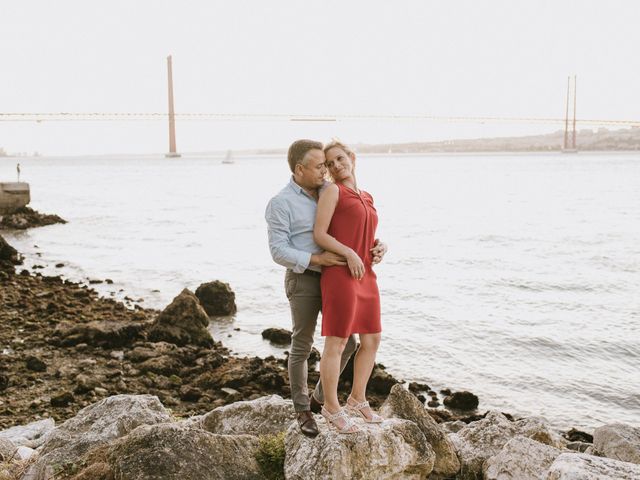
<point>315,405</point>
<point>307,424</point>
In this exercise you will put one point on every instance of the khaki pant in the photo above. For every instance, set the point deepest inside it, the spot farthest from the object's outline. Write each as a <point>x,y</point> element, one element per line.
<point>305,300</point>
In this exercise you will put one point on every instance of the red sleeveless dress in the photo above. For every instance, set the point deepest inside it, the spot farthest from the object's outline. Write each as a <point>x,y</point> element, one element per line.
<point>349,305</point>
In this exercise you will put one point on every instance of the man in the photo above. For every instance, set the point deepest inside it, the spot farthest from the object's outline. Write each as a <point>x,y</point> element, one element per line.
<point>290,217</point>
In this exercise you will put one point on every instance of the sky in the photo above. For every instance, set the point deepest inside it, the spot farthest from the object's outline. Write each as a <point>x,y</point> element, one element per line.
<point>425,57</point>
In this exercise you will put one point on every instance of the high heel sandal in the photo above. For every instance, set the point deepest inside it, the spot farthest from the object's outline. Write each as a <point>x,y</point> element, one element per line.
<point>358,409</point>
<point>348,425</point>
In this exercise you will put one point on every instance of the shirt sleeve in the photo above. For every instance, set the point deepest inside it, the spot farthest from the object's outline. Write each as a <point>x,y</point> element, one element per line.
<point>278,220</point>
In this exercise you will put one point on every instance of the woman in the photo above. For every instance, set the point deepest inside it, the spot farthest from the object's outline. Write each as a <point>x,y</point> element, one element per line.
<point>346,223</point>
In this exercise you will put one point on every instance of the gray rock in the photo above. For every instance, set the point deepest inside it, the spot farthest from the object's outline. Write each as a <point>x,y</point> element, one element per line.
<point>453,427</point>
<point>99,333</point>
<point>395,449</point>
<point>520,459</point>
<point>182,322</point>
<point>7,450</point>
<point>485,438</point>
<point>30,435</point>
<point>265,415</point>
<point>95,425</point>
<point>403,404</point>
<point>176,452</point>
<point>581,447</point>
<point>24,453</point>
<point>580,466</point>
<point>279,336</point>
<point>617,441</point>
<point>217,298</point>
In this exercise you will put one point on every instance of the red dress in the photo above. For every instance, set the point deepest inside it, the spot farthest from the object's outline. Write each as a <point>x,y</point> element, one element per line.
<point>350,305</point>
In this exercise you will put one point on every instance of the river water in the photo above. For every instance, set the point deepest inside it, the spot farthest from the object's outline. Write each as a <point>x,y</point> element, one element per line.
<point>516,277</point>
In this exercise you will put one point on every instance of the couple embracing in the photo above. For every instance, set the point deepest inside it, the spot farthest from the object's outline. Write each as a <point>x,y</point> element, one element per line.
<point>323,232</point>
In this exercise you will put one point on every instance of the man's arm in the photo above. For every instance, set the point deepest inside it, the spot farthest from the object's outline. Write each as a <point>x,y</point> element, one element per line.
<point>279,232</point>
<point>379,250</point>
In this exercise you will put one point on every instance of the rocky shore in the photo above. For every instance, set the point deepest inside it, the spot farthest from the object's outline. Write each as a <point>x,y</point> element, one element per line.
<point>91,389</point>
<point>26,217</point>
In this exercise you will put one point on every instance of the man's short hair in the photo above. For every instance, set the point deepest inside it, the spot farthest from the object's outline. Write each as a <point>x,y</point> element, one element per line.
<point>299,149</point>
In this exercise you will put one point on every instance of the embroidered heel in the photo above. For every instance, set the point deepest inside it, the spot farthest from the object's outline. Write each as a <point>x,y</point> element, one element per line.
<point>358,410</point>
<point>340,421</point>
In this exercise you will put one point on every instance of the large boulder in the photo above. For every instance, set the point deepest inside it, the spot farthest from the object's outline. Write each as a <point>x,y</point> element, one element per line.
<point>99,333</point>
<point>617,441</point>
<point>521,458</point>
<point>581,466</point>
<point>264,415</point>
<point>9,256</point>
<point>31,435</point>
<point>26,217</point>
<point>177,452</point>
<point>403,404</point>
<point>217,298</point>
<point>395,449</point>
<point>95,425</point>
<point>182,322</point>
<point>539,429</point>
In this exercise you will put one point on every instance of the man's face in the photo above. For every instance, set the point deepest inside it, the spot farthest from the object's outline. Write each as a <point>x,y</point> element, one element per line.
<point>311,172</point>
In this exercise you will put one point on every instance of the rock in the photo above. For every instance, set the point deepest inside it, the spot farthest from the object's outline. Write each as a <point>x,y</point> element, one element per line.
<point>395,449</point>
<point>30,435</point>
<point>574,435</point>
<point>217,298</point>
<point>4,381</point>
<point>176,452</point>
<point>190,394</point>
<point>416,387</point>
<point>402,404</point>
<point>98,333</point>
<point>26,217</point>
<point>24,453</point>
<point>480,440</point>
<point>265,415</point>
<point>85,383</point>
<point>485,438</point>
<point>279,336</point>
<point>7,450</point>
<point>579,446</point>
<point>9,256</point>
<point>95,425</point>
<point>62,399</point>
<point>380,381</point>
<point>521,458</point>
<point>617,441</point>
<point>35,364</point>
<point>182,322</point>
<point>461,401</point>
<point>453,426</point>
<point>580,466</point>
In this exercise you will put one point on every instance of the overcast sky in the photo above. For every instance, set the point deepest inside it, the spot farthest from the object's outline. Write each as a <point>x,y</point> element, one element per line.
<point>449,58</point>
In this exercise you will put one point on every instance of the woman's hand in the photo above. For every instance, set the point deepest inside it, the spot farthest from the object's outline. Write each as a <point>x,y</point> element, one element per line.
<point>356,267</point>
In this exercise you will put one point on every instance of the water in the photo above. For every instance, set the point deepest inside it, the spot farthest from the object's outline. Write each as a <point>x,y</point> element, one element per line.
<point>513,276</point>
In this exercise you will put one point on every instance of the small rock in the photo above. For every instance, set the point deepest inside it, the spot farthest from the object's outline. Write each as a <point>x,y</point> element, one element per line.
<point>59,265</point>
<point>35,364</point>
<point>462,401</point>
<point>190,394</point>
<point>416,387</point>
<point>217,298</point>
<point>103,392</point>
<point>433,403</point>
<point>279,336</point>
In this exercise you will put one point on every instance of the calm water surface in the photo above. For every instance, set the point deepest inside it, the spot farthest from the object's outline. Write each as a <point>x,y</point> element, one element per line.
<point>516,277</point>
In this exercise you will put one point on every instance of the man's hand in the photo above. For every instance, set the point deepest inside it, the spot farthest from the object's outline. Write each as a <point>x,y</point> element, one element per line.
<point>378,251</point>
<point>327,259</point>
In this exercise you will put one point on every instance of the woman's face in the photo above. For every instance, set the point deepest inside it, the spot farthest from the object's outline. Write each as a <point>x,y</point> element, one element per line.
<point>340,164</point>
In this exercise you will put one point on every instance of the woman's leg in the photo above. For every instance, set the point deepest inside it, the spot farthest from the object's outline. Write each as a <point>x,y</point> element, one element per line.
<point>330,371</point>
<point>362,367</point>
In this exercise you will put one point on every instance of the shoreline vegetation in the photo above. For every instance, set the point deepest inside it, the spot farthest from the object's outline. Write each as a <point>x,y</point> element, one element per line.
<point>601,140</point>
<point>91,389</point>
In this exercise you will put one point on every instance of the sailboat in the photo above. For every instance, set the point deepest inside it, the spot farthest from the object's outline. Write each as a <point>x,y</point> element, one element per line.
<point>229,158</point>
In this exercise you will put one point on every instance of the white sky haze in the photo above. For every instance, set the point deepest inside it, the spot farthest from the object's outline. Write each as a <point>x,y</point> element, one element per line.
<point>454,58</point>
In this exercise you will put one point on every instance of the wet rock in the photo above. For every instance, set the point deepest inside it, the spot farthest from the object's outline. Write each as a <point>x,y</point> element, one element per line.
<point>30,435</point>
<point>380,381</point>
<point>265,415</point>
<point>183,322</point>
<point>461,401</point>
<point>35,364</point>
<point>98,333</point>
<point>26,217</point>
<point>190,394</point>
<point>217,298</point>
<point>580,466</point>
<point>177,452</point>
<point>617,441</point>
<point>62,400</point>
<point>9,256</point>
<point>521,458</point>
<point>95,425</point>
<point>279,336</point>
<point>416,387</point>
<point>574,435</point>
<point>394,449</point>
<point>402,404</point>
<point>433,403</point>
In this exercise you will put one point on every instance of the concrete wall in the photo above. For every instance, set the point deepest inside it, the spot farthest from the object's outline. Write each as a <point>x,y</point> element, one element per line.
<point>13,195</point>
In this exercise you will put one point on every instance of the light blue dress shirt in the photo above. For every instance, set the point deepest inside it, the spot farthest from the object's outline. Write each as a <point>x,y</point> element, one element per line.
<point>290,217</point>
